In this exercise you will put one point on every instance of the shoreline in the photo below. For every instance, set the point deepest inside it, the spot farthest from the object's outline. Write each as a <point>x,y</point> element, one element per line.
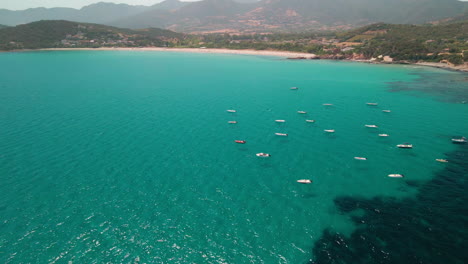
<point>273,53</point>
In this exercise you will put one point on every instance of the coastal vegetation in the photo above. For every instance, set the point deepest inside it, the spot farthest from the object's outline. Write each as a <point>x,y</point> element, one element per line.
<point>443,42</point>
<point>66,34</point>
<point>433,43</point>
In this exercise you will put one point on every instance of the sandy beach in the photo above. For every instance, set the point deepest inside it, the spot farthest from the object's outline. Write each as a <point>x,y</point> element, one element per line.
<point>285,54</point>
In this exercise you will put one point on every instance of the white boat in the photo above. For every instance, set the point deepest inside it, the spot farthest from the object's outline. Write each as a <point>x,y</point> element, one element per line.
<point>373,104</point>
<point>263,155</point>
<point>280,121</point>
<point>330,130</point>
<point>396,175</point>
<point>384,135</point>
<point>461,140</point>
<point>386,111</point>
<point>232,122</point>
<point>327,104</point>
<point>310,121</point>
<point>231,111</point>
<point>360,158</point>
<point>442,160</point>
<point>294,88</point>
<point>304,181</point>
<point>373,126</point>
<point>405,145</point>
<point>301,112</point>
<point>281,134</point>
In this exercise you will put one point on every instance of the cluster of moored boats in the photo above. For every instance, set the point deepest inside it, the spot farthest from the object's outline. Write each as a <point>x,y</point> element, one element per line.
<point>460,140</point>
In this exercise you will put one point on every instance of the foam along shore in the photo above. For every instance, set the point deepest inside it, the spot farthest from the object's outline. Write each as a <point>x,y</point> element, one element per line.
<point>286,54</point>
<point>463,67</point>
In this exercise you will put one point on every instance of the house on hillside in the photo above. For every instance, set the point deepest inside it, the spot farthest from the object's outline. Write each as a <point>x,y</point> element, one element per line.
<point>347,49</point>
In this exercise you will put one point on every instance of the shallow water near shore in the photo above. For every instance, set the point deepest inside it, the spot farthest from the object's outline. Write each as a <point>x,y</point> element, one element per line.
<point>116,156</point>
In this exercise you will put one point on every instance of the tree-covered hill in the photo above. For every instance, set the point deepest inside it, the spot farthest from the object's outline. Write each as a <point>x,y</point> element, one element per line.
<point>61,33</point>
<point>430,42</point>
<point>412,42</point>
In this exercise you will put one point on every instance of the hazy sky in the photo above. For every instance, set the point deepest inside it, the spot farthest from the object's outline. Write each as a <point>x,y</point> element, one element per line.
<point>24,4</point>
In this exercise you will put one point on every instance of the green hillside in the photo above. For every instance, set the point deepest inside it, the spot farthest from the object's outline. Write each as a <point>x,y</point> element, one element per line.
<point>399,42</point>
<point>411,42</point>
<point>60,33</point>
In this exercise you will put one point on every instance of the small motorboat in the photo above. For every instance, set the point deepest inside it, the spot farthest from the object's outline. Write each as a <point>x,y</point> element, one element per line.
<point>281,134</point>
<point>263,155</point>
<point>231,111</point>
<point>310,121</point>
<point>360,158</point>
<point>373,126</point>
<point>330,130</point>
<point>442,160</point>
<point>384,135</point>
<point>232,122</point>
<point>240,141</point>
<point>405,145</point>
<point>304,181</point>
<point>461,140</point>
<point>294,88</point>
<point>327,104</point>
<point>372,104</point>
<point>386,111</point>
<point>301,112</point>
<point>396,175</point>
<point>280,121</point>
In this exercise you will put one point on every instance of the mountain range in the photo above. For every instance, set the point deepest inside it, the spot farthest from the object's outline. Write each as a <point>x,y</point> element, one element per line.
<point>248,15</point>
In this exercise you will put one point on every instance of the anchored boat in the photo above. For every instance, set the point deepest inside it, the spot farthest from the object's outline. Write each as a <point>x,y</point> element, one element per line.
<point>405,145</point>
<point>360,158</point>
<point>263,155</point>
<point>281,134</point>
<point>396,175</point>
<point>461,140</point>
<point>240,141</point>
<point>304,181</point>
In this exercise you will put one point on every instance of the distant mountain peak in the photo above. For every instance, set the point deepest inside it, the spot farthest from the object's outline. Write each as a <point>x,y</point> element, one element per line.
<point>106,4</point>
<point>169,5</point>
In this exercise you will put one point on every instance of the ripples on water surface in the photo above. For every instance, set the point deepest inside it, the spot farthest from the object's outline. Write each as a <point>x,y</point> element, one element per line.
<point>117,156</point>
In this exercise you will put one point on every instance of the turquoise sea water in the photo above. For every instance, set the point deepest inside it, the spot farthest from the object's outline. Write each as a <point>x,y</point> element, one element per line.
<point>127,156</point>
